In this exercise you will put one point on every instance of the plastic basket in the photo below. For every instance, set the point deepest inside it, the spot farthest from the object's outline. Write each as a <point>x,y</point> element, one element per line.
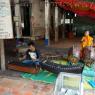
<point>65,82</point>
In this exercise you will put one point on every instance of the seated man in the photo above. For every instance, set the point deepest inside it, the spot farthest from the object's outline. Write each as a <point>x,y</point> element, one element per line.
<point>32,55</point>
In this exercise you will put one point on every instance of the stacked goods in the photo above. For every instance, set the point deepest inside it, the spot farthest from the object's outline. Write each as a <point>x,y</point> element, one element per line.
<point>86,55</point>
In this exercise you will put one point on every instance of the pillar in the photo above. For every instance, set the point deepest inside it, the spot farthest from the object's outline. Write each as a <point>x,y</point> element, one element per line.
<point>47,22</point>
<point>63,32</point>
<point>18,17</point>
<point>56,24</point>
<point>2,53</point>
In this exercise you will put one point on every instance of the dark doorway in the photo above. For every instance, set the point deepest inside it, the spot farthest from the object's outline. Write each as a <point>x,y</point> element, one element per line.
<point>68,31</point>
<point>26,20</point>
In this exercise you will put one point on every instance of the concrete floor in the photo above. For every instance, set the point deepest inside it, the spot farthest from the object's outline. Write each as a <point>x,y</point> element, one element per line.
<point>67,43</point>
<point>63,43</point>
<point>19,86</point>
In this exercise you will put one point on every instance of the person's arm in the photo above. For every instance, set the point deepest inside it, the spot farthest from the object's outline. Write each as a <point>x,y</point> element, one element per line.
<point>92,42</point>
<point>22,57</point>
<point>82,39</point>
<point>38,54</point>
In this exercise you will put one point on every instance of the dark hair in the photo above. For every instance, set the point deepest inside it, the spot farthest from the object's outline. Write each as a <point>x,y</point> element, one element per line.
<point>31,43</point>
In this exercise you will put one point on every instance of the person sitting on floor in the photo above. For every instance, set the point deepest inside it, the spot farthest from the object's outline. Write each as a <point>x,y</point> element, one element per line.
<point>32,55</point>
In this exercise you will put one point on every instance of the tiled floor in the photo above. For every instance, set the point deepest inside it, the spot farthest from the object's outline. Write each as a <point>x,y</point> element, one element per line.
<point>18,86</point>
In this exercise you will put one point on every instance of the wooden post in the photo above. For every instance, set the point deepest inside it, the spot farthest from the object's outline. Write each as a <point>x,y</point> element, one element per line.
<point>56,23</point>
<point>18,16</point>
<point>47,22</point>
<point>3,67</point>
<point>63,32</point>
<point>6,31</point>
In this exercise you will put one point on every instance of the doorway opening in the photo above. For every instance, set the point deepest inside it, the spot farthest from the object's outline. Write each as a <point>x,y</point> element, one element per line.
<point>25,17</point>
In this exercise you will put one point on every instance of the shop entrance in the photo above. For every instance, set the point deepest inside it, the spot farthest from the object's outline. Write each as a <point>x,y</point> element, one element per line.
<point>25,16</point>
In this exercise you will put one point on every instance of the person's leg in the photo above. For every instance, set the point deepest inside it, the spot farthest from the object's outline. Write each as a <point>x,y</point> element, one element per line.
<point>27,62</point>
<point>37,63</point>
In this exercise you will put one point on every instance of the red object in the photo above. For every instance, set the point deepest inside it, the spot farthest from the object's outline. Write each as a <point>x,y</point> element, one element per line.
<point>26,69</point>
<point>70,35</point>
<point>80,7</point>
